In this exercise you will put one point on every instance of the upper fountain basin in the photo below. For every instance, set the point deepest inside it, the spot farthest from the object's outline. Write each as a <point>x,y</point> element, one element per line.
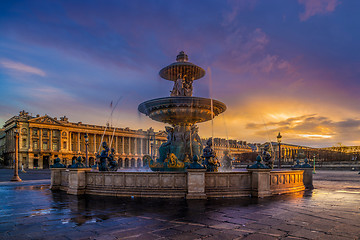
<point>180,69</point>
<point>181,110</point>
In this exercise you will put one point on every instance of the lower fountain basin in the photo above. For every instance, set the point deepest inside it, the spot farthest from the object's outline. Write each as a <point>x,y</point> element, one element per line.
<point>181,110</point>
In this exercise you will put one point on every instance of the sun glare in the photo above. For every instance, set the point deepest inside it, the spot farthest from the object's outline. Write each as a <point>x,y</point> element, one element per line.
<point>314,136</point>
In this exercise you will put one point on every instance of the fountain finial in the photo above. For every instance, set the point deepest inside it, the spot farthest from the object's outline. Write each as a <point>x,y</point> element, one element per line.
<point>182,57</point>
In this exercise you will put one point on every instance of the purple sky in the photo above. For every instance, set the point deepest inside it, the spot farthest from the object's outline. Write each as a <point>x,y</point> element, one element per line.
<point>291,66</point>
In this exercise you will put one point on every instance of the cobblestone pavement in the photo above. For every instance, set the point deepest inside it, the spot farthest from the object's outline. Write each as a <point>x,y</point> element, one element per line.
<point>331,211</point>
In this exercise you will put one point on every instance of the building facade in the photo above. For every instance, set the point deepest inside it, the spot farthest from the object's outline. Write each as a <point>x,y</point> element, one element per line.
<point>234,147</point>
<point>43,138</point>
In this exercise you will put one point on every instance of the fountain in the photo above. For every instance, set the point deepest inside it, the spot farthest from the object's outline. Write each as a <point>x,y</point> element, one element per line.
<point>184,169</point>
<point>182,111</point>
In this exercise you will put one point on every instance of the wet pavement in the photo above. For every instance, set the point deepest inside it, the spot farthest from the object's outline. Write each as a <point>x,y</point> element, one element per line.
<point>30,210</point>
<point>30,174</point>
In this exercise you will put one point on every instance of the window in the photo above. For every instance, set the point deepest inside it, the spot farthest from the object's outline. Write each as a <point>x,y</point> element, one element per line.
<point>55,146</point>
<point>24,143</point>
<point>64,145</point>
<point>36,145</point>
<point>35,132</point>
<point>45,145</point>
<point>45,133</point>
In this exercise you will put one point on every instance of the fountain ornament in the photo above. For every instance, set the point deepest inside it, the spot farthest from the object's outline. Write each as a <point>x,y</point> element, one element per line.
<point>182,111</point>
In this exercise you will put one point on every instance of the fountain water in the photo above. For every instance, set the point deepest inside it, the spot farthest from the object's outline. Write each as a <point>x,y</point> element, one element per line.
<point>182,111</point>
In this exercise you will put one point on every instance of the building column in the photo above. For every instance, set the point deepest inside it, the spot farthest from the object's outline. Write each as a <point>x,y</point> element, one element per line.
<point>78,142</point>
<point>50,140</point>
<point>95,147</point>
<point>40,140</point>
<point>116,144</point>
<point>30,139</point>
<point>123,146</point>
<point>69,141</point>
<point>129,146</point>
<point>135,147</point>
<point>141,147</point>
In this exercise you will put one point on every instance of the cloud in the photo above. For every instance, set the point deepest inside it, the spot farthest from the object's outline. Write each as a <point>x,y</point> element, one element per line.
<point>20,67</point>
<point>311,127</point>
<point>247,53</point>
<point>317,7</point>
<point>236,7</point>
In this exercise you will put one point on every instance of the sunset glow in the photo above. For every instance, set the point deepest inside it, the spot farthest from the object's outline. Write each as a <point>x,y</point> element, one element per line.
<point>279,66</point>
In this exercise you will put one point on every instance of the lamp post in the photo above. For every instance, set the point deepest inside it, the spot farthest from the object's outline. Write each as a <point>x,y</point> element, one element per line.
<point>86,148</point>
<point>314,163</point>
<point>279,143</point>
<point>16,177</point>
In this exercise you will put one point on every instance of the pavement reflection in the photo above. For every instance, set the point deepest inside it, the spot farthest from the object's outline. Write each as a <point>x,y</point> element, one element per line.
<point>331,210</point>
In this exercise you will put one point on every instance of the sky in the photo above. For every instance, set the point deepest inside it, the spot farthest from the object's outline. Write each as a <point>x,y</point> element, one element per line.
<point>289,66</point>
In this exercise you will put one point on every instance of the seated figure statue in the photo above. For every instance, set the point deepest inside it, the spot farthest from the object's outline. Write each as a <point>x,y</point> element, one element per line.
<point>112,163</point>
<point>266,156</point>
<point>164,149</point>
<point>196,144</point>
<point>103,157</point>
<point>210,161</point>
<point>178,87</point>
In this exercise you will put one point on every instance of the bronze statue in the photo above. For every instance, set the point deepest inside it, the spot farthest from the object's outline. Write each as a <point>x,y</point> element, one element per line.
<point>103,157</point>
<point>210,161</point>
<point>266,156</point>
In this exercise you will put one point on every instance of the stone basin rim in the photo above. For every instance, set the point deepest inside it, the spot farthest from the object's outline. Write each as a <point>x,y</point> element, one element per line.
<point>197,102</point>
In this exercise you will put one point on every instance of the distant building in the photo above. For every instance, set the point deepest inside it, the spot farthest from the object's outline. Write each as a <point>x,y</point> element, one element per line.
<point>2,145</point>
<point>234,147</point>
<point>344,149</point>
<point>43,138</point>
<point>289,153</point>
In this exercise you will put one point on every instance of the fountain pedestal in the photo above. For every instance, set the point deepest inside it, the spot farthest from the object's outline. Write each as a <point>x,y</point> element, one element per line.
<point>260,182</point>
<point>196,184</point>
<point>77,180</point>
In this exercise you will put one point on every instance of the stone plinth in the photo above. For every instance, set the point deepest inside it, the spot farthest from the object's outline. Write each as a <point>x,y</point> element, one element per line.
<point>307,177</point>
<point>56,178</point>
<point>196,184</point>
<point>260,182</point>
<point>77,180</point>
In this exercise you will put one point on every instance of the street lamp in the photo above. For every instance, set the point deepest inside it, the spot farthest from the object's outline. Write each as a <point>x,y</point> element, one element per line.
<point>86,148</point>
<point>279,143</point>
<point>16,177</point>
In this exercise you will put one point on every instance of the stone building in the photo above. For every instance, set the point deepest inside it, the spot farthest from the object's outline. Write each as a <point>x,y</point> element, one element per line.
<point>43,138</point>
<point>289,152</point>
<point>235,147</point>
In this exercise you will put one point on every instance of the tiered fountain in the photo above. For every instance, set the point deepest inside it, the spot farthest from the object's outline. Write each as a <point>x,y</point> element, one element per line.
<point>183,150</point>
<point>182,111</point>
